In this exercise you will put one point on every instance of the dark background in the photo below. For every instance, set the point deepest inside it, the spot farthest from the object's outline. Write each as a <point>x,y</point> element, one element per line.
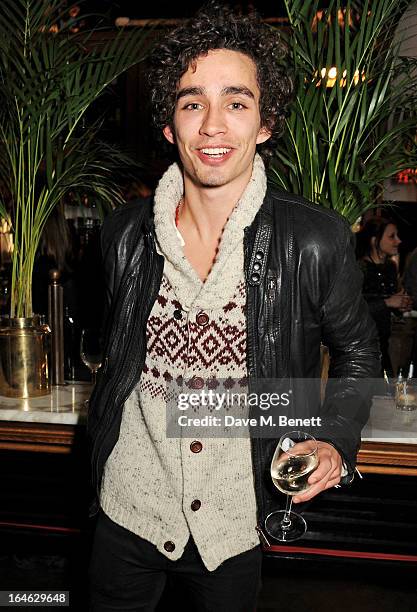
<point>185,8</point>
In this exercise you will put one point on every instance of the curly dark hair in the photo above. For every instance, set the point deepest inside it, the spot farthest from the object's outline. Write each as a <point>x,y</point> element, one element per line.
<point>216,26</point>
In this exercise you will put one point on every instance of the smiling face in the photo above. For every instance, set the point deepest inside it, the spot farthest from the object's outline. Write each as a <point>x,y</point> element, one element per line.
<point>217,123</point>
<point>390,241</point>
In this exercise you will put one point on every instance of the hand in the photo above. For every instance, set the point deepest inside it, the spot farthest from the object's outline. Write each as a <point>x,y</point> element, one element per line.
<point>326,475</point>
<point>400,300</point>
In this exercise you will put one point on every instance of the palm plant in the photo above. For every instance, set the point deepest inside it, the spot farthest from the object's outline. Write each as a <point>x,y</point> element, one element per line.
<point>48,81</point>
<point>354,118</point>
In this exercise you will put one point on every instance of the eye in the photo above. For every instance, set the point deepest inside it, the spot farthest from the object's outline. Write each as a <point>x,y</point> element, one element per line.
<point>237,106</point>
<point>193,106</point>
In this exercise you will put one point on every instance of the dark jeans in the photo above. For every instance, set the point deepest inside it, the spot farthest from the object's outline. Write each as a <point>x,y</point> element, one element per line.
<point>129,573</point>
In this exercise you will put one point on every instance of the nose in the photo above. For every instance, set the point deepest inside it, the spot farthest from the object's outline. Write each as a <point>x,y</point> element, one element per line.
<point>213,122</point>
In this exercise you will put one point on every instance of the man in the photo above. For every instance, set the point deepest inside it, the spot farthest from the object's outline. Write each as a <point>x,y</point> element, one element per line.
<point>217,277</point>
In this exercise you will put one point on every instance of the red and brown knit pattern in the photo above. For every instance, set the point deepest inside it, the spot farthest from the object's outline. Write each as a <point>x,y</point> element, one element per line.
<point>179,345</point>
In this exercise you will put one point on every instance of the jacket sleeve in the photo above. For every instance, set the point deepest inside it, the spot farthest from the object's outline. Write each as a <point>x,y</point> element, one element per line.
<point>108,258</point>
<point>116,249</point>
<point>350,333</point>
<point>376,305</point>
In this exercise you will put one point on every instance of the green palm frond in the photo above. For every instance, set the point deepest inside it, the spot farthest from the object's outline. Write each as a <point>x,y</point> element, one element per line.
<point>48,81</point>
<point>343,141</point>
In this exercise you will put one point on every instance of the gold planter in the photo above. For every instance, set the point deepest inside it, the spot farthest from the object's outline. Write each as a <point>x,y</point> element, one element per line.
<point>24,357</point>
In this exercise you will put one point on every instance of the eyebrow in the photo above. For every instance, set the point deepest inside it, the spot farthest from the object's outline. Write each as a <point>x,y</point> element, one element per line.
<point>226,91</point>
<point>237,89</point>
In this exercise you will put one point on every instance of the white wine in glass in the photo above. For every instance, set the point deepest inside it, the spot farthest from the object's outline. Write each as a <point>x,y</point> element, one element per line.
<point>294,460</point>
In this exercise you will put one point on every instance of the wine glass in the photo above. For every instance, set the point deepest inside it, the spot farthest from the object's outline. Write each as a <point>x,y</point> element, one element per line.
<point>91,351</point>
<point>294,460</point>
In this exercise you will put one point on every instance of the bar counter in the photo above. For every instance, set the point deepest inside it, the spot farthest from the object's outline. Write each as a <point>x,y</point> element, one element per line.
<point>44,424</point>
<point>44,467</point>
<point>389,440</point>
<point>65,405</point>
<point>47,424</point>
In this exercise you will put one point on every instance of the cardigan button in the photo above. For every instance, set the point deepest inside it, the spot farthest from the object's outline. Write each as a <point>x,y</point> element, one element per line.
<point>256,266</point>
<point>202,319</point>
<point>177,314</point>
<point>169,546</point>
<point>196,446</point>
<point>259,255</point>
<point>197,382</point>
<point>196,505</point>
<point>255,277</point>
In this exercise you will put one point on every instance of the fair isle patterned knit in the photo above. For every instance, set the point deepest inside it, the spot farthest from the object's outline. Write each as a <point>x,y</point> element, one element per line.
<point>150,481</point>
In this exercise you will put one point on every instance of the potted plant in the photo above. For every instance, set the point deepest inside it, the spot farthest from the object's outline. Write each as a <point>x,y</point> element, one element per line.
<point>354,118</point>
<point>50,74</point>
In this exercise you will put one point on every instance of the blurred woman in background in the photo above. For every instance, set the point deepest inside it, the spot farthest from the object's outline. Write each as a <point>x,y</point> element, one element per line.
<point>376,243</point>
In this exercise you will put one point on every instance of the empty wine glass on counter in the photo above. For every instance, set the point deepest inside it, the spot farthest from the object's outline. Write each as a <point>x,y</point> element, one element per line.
<point>91,351</point>
<point>294,460</point>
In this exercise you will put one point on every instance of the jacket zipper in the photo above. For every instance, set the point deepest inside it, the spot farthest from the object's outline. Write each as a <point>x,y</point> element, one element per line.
<point>270,295</point>
<point>251,320</point>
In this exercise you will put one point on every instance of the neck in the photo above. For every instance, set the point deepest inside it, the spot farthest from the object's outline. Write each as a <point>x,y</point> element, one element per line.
<point>377,257</point>
<point>205,210</point>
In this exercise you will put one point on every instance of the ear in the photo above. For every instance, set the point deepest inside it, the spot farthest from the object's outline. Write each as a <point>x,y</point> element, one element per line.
<point>169,134</point>
<point>263,135</point>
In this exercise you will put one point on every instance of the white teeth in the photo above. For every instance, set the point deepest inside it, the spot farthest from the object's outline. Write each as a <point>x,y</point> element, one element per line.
<point>222,151</point>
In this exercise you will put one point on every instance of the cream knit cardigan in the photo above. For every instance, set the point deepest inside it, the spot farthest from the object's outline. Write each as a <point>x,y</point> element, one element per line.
<point>150,481</point>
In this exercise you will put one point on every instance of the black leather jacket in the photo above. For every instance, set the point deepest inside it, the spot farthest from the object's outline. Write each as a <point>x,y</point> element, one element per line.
<point>307,290</point>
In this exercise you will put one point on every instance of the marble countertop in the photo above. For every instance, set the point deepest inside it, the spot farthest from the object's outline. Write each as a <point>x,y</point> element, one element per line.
<point>65,405</point>
<point>388,424</point>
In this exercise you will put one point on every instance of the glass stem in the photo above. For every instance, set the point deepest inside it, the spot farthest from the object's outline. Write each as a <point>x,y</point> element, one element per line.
<point>94,377</point>
<point>286,521</point>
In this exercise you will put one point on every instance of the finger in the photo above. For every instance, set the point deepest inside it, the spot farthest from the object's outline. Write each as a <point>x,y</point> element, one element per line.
<point>325,483</point>
<point>332,482</point>
<point>337,472</point>
<point>324,469</point>
<point>311,492</point>
<point>333,475</point>
<point>327,463</point>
